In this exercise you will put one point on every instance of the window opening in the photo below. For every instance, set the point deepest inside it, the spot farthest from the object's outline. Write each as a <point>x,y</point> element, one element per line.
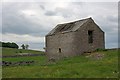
<point>90,36</point>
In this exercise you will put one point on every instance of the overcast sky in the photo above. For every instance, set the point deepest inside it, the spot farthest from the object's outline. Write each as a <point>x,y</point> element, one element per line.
<point>29,22</point>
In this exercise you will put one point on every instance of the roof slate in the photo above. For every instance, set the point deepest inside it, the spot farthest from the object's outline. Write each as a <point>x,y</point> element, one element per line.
<point>68,27</point>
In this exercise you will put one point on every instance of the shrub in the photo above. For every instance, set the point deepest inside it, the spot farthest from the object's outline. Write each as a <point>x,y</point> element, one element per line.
<point>20,51</point>
<point>100,49</point>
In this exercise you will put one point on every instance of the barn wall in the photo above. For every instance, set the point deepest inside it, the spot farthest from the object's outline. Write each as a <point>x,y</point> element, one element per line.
<point>82,38</point>
<point>74,43</point>
<point>64,41</point>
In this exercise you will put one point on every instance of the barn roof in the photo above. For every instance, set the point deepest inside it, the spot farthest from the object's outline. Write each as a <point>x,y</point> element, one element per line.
<point>68,27</point>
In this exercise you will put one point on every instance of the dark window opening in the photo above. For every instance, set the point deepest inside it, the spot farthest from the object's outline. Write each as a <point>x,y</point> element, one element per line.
<point>90,36</point>
<point>59,50</point>
<point>64,27</point>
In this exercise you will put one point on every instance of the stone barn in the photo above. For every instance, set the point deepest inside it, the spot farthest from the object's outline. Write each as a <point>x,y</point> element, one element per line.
<point>74,38</point>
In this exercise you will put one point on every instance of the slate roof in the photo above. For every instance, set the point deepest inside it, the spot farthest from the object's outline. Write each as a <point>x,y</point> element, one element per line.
<point>68,27</point>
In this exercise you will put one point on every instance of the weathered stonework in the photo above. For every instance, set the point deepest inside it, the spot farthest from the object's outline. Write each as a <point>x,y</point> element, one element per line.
<point>71,43</point>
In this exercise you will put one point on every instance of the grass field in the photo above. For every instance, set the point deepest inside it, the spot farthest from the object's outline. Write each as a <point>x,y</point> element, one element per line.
<point>11,51</point>
<point>74,67</point>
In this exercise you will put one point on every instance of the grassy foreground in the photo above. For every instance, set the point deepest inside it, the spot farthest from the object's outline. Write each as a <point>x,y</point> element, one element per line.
<point>75,67</point>
<point>11,51</point>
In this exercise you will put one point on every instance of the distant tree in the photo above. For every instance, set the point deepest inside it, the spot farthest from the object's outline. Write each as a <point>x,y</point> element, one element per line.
<point>10,45</point>
<point>23,46</point>
<point>14,45</point>
<point>44,48</point>
<point>0,44</point>
<point>3,44</point>
<point>26,46</point>
<point>6,44</point>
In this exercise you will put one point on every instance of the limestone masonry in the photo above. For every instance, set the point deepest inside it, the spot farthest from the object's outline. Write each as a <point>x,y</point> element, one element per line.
<point>74,38</point>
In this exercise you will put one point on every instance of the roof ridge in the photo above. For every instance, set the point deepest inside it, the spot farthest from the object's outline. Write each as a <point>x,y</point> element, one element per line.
<point>76,21</point>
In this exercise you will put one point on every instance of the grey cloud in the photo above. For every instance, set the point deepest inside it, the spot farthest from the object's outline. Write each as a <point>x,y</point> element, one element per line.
<point>119,26</point>
<point>112,18</point>
<point>112,39</point>
<point>13,22</point>
<point>0,19</point>
<point>77,3</point>
<point>50,13</point>
<point>39,34</point>
<point>42,7</point>
<point>66,13</point>
<point>112,45</point>
<point>20,26</point>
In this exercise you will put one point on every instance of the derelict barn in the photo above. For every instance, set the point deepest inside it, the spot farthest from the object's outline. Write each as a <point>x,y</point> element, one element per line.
<point>74,38</point>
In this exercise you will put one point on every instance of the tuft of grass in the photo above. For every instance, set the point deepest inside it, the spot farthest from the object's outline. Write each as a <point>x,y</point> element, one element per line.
<point>100,49</point>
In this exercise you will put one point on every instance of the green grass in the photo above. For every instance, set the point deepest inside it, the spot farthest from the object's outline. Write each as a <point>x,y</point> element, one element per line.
<point>74,67</point>
<point>11,51</point>
<point>39,60</point>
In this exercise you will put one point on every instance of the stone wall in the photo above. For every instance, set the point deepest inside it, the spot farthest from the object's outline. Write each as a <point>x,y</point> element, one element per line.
<point>81,39</point>
<point>63,41</point>
<point>9,63</point>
